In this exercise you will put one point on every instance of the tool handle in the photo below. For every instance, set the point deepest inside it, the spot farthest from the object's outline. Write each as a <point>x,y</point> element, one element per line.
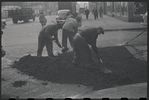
<point>101,60</point>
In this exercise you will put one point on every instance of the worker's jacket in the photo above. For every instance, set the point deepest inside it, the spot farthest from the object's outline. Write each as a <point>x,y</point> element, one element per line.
<point>71,25</point>
<point>90,35</point>
<point>48,32</point>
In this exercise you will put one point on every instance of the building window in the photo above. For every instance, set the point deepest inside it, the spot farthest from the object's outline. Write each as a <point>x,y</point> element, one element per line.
<point>124,7</point>
<point>109,7</point>
<point>117,8</point>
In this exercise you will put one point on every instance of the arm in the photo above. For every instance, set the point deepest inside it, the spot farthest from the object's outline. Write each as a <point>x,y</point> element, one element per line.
<point>47,33</point>
<point>56,40</point>
<point>76,27</point>
<point>94,47</point>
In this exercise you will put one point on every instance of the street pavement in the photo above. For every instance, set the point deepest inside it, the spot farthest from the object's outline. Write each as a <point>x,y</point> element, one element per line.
<point>109,24</point>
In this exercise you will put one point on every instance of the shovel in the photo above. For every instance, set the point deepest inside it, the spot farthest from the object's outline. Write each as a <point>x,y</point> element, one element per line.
<point>53,22</point>
<point>105,70</point>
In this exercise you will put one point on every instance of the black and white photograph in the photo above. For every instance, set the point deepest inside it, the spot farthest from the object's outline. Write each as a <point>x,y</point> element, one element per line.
<point>73,49</point>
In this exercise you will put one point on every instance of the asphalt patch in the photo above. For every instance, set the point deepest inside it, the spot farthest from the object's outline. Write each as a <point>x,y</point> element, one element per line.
<point>125,67</point>
<point>19,83</point>
<point>5,96</point>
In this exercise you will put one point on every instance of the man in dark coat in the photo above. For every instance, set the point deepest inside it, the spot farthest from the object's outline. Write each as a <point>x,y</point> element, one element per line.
<point>101,12</point>
<point>81,42</point>
<point>86,13</point>
<point>45,38</point>
<point>95,12</point>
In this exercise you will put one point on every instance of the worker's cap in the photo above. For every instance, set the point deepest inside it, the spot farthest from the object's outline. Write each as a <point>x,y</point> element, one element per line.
<point>100,29</point>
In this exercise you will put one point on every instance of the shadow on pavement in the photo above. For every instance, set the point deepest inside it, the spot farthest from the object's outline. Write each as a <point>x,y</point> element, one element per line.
<point>125,67</point>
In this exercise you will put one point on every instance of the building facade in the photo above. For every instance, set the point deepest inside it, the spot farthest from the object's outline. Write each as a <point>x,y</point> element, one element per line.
<point>121,10</point>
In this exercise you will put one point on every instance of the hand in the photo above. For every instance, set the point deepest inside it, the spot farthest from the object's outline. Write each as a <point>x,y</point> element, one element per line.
<point>99,58</point>
<point>58,44</point>
<point>53,39</point>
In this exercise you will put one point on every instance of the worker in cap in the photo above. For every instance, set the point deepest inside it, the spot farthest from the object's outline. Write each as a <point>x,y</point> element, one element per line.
<point>81,40</point>
<point>82,52</point>
<point>45,38</point>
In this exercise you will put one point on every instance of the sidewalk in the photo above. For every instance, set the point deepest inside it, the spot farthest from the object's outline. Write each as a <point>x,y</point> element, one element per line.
<point>111,23</point>
<point>138,90</point>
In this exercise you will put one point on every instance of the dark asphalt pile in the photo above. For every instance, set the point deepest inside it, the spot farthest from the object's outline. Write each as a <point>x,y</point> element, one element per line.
<point>125,67</point>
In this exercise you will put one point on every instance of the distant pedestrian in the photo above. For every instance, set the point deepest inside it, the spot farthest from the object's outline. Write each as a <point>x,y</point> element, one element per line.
<point>101,12</point>
<point>42,20</point>
<point>86,13</point>
<point>95,12</point>
<point>69,29</point>
<point>45,38</point>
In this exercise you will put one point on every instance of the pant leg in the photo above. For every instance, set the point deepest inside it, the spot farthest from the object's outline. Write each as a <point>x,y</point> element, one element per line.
<point>97,15</point>
<point>49,46</point>
<point>71,35</point>
<point>81,50</point>
<point>94,16</point>
<point>76,51</point>
<point>86,55</point>
<point>64,38</point>
<point>41,44</point>
<point>102,15</point>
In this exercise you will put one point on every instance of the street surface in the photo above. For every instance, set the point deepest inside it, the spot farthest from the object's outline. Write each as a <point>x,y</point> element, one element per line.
<point>22,38</point>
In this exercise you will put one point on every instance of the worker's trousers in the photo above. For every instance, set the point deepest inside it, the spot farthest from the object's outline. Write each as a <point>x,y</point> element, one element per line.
<point>82,52</point>
<point>44,41</point>
<point>67,34</point>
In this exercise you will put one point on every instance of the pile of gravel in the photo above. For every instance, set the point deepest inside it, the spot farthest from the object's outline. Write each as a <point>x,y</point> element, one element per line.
<point>60,70</point>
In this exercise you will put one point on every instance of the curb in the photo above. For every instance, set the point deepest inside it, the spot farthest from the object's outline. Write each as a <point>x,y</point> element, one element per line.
<point>122,29</point>
<point>142,28</point>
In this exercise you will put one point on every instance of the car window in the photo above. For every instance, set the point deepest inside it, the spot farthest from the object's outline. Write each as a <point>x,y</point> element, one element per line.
<point>63,13</point>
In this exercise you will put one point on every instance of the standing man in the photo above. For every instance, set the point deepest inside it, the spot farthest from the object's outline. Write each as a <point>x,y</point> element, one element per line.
<point>86,13</point>
<point>42,20</point>
<point>101,12</point>
<point>69,29</point>
<point>95,12</point>
<point>45,39</point>
<point>81,42</point>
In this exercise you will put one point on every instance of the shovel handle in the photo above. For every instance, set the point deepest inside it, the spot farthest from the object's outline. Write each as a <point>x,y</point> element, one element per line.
<point>101,61</point>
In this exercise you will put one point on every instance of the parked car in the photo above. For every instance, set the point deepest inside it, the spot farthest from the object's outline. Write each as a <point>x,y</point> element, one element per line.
<point>3,23</point>
<point>63,15</point>
<point>66,13</point>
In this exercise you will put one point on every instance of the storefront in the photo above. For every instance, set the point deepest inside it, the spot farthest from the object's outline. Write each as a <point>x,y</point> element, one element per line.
<point>123,11</point>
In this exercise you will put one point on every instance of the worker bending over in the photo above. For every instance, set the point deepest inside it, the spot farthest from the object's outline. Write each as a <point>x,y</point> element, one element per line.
<point>81,42</point>
<point>45,38</point>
